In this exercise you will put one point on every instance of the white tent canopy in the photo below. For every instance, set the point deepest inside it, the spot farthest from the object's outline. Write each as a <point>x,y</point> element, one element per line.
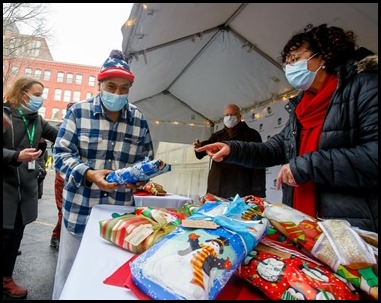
<point>191,59</point>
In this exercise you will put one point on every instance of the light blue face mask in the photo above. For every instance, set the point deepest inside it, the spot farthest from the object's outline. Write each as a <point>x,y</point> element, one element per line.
<point>113,102</point>
<point>35,102</point>
<point>298,75</point>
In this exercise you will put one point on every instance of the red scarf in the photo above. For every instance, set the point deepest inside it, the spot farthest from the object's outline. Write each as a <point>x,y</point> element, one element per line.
<point>311,112</point>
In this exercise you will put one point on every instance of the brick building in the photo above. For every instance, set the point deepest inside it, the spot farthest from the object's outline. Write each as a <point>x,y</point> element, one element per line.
<point>64,82</point>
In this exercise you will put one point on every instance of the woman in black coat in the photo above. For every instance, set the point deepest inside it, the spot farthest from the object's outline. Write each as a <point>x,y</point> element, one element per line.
<point>329,147</point>
<point>20,171</point>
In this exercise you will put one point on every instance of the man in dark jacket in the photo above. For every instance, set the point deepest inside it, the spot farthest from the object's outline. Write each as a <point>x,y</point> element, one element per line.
<point>226,180</point>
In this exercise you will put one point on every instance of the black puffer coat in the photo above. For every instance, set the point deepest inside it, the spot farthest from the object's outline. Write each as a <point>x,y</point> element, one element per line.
<point>345,166</point>
<point>20,186</point>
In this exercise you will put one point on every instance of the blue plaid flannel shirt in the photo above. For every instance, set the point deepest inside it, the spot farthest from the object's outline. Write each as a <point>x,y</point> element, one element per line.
<point>87,139</point>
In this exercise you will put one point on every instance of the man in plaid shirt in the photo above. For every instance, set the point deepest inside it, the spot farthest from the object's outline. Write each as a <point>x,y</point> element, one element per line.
<point>97,136</point>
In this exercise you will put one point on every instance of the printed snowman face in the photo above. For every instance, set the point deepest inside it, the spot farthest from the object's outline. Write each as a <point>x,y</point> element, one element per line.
<point>270,269</point>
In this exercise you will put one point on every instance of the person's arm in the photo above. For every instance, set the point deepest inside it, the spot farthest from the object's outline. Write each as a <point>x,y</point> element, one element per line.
<point>197,144</point>
<point>98,177</point>
<point>49,131</point>
<point>66,154</point>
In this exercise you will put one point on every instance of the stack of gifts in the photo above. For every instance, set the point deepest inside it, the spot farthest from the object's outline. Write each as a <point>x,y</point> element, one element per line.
<point>334,243</point>
<point>283,272</point>
<point>198,258</point>
<point>284,253</point>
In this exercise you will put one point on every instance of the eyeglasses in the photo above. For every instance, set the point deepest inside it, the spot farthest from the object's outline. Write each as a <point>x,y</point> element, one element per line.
<point>112,87</point>
<point>291,59</point>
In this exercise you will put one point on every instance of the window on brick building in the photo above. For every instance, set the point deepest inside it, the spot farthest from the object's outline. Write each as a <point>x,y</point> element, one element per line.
<point>78,79</point>
<point>45,93</point>
<point>77,96</point>
<point>37,73</point>
<point>57,94</point>
<point>67,95</point>
<point>92,80</point>
<point>14,71</point>
<point>55,112</point>
<point>69,78</point>
<point>63,111</point>
<point>89,95</point>
<point>28,71</point>
<point>60,77</point>
<point>42,111</point>
<point>47,75</point>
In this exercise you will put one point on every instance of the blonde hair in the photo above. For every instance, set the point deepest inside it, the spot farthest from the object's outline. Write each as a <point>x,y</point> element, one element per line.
<point>15,93</point>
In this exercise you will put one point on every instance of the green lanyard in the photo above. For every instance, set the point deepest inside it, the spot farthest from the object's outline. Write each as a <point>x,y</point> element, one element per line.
<point>30,134</point>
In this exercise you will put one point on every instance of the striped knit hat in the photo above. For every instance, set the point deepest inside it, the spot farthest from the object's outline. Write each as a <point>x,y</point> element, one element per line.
<point>116,67</point>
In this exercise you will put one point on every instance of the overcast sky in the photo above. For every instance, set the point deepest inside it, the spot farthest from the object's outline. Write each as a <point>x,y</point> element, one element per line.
<point>86,33</point>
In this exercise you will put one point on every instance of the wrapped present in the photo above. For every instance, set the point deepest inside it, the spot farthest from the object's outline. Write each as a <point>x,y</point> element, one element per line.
<point>190,208</point>
<point>161,215</point>
<point>196,263</point>
<point>333,242</point>
<point>154,189</point>
<point>141,171</point>
<point>260,202</point>
<point>283,272</point>
<point>210,198</point>
<point>137,233</point>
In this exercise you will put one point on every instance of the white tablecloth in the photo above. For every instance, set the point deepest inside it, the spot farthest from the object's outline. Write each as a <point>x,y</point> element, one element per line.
<point>169,201</point>
<point>96,260</point>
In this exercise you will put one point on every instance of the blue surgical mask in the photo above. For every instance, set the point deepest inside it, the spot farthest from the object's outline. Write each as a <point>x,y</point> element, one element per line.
<point>230,121</point>
<point>113,102</point>
<point>35,102</point>
<point>298,75</point>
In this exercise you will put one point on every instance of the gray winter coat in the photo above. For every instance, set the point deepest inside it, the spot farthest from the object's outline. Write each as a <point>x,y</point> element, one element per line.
<point>20,184</point>
<point>345,166</point>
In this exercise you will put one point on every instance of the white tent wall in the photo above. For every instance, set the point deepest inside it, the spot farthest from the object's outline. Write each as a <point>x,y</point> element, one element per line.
<point>191,59</point>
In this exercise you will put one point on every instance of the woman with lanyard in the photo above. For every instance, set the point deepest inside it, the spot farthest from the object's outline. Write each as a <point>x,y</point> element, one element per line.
<point>20,190</point>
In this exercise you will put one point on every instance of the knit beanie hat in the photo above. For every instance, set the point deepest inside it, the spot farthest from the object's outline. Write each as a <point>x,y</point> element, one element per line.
<point>116,67</point>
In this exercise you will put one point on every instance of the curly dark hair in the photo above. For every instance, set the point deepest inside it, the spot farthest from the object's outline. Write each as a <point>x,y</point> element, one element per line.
<point>333,44</point>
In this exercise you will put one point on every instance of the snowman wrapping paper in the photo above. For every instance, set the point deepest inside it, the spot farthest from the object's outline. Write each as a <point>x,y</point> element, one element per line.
<point>196,263</point>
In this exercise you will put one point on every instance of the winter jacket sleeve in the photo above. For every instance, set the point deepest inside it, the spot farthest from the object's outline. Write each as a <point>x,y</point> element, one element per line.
<point>258,155</point>
<point>49,131</point>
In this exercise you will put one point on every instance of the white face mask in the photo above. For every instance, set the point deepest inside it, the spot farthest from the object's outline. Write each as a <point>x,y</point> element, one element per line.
<point>230,121</point>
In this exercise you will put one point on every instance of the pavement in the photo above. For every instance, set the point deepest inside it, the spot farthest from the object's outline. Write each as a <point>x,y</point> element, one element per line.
<point>35,267</point>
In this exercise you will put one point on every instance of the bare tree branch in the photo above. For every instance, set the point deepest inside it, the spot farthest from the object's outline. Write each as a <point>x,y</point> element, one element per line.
<point>24,27</point>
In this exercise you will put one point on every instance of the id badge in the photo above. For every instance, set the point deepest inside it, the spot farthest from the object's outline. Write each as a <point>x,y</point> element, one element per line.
<point>32,165</point>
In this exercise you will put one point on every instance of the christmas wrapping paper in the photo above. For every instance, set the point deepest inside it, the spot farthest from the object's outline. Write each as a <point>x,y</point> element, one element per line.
<point>139,231</point>
<point>283,272</point>
<point>140,171</point>
<point>196,263</point>
<point>333,242</point>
